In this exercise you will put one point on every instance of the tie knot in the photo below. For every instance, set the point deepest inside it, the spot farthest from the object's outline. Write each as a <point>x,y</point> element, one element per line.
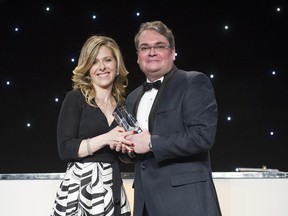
<point>148,86</point>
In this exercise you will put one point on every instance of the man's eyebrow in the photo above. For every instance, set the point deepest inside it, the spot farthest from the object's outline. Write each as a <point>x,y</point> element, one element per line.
<point>157,43</point>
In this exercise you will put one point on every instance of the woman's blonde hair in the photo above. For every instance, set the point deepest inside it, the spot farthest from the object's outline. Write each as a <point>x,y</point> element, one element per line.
<point>81,76</point>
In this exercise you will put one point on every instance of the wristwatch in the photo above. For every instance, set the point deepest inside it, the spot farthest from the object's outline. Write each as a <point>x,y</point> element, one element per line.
<point>150,146</point>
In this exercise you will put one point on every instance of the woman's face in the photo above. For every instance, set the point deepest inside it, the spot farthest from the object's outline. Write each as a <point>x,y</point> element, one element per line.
<point>104,68</point>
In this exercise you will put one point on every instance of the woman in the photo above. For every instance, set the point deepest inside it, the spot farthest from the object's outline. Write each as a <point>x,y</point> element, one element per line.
<point>88,136</point>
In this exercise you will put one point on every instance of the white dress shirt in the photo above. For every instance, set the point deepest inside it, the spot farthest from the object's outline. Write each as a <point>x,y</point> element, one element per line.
<point>145,106</point>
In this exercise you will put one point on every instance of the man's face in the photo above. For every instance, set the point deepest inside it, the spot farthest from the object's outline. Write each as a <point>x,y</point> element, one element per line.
<point>155,57</point>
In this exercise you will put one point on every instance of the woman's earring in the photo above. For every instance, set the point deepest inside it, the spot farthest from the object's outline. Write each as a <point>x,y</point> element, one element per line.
<point>117,73</point>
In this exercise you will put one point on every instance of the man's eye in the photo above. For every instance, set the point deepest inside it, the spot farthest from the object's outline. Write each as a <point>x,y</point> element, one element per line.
<point>160,47</point>
<point>144,48</point>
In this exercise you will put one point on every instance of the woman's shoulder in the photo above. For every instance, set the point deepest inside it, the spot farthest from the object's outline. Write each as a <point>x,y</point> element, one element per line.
<point>74,94</point>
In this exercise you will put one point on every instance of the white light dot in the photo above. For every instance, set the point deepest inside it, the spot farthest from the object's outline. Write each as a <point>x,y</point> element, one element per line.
<point>278,9</point>
<point>137,14</point>
<point>94,17</point>
<point>16,29</point>
<point>211,76</point>
<point>72,60</point>
<point>8,83</point>
<point>273,72</point>
<point>47,8</point>
<point>271,133</point>
<point>28,124</point>
<point>226,27</point>
<point>56,99</point>
<point>229,118</point>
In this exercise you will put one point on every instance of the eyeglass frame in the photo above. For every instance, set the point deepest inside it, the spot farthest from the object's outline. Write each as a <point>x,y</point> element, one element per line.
<point>157,48</point>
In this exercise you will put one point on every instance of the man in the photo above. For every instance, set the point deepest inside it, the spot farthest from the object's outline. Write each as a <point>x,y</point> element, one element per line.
<point>173,176</point>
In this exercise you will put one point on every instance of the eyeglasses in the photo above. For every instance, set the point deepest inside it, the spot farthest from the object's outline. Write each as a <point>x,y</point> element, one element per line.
<point>157,48</point>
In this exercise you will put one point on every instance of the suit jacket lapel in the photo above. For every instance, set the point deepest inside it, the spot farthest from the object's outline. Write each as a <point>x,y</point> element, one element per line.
<point>159,97</point>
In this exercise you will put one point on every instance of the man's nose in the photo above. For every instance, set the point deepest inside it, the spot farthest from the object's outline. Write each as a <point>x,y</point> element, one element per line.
<point>152,50</point>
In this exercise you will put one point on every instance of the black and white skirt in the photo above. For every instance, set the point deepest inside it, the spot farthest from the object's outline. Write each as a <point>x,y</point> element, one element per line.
<point>87,190</point>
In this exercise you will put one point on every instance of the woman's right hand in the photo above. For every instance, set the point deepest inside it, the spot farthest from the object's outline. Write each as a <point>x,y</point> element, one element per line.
<point>117,137</point>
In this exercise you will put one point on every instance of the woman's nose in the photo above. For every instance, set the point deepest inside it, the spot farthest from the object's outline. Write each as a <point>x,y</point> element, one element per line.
<point>101,65</point>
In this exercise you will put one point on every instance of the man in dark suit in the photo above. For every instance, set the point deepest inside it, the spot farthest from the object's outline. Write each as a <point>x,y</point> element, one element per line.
<point>178,116</point>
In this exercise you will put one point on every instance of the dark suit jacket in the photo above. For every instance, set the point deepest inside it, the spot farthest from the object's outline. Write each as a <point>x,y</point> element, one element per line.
<point>176,179</point>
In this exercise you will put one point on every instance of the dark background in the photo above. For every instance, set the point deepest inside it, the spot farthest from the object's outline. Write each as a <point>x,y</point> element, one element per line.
<point>36,60</point>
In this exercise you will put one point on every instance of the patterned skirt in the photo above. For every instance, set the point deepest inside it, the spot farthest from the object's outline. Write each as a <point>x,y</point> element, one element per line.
<point>87,190</point>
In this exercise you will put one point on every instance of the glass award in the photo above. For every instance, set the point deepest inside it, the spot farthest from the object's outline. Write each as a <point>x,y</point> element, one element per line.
<point>125,119</point>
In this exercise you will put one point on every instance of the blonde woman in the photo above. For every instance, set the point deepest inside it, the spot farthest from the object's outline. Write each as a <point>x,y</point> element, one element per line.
<point>88,137</point>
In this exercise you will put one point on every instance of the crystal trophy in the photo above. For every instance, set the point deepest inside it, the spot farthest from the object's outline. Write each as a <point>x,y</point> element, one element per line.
<point>125,119</point>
